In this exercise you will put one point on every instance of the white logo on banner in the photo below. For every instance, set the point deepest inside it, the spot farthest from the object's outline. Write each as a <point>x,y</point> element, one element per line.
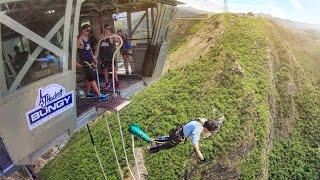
<point>52,101</point>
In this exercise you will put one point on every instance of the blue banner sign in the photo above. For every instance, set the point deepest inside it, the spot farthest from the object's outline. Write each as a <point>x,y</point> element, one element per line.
<point>51,101</point>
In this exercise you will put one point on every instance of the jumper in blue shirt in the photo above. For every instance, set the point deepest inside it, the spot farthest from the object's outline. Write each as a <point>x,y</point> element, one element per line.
<point>193,129</point>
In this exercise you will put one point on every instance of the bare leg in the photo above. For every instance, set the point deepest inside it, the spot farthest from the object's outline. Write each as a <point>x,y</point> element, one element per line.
<point>125,61</point>
<point>95,87</point>
<point>87,86</point>
<point>106,74</point>
<point>130,60</point>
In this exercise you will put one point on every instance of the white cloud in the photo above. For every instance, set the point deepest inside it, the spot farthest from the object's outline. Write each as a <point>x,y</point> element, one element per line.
<point>259,6</point>
<point>296,4</point>
<point>278,12</point>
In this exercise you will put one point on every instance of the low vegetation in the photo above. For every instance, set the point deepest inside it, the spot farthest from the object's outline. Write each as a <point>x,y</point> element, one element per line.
<point>234,78</point>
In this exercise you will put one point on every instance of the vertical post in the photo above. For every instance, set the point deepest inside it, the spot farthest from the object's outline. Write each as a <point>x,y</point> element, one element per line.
<point>9,64</point>
<point>22,44</point>
<point>3,85</point>
<point>148,29</point>
<point>152,17</point>
<point>161,27</point>
<point>30,172</point>
<point>66,34</point>
<point>161,11</point>
<point>1,174</point>
<point>75,35</point>
<point>225,6</point>
<point>129,24</point>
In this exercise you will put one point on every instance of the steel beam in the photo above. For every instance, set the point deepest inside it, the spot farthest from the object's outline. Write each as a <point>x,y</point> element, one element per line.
<point>66,34</point>
<point>7,7</point>
<point>138,24</point>
<point>161,10</point>
<point>10,66</point>
<point>35,54</point>
<point>166,28</point>
<point>161,28</point>
<point>148,29</point>
<point>3,84</point>
<point>75,34</point>
<point>129,24</point>
<point>152,16</point>
<point>19,28</point>
<point>9,1</point>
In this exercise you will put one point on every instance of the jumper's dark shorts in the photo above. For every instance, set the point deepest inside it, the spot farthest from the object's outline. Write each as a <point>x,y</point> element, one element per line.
<point>89,73</point>
<point>107,63</point>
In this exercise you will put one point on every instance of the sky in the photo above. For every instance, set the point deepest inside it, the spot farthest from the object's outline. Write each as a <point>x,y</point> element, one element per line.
<point>297,10</point>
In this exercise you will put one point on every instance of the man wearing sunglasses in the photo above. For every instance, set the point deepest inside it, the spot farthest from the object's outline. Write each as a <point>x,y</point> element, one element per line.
<point>106,48</point>
<point>87,60</point>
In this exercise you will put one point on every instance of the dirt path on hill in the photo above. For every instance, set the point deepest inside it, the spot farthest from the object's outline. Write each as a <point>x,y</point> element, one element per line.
<point>272,110</point>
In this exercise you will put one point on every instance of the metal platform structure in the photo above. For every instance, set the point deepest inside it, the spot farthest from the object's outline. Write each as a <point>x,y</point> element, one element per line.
<point>38,103</point>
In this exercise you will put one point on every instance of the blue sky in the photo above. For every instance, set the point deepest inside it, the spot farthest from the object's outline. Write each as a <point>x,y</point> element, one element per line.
<point>297,10</point>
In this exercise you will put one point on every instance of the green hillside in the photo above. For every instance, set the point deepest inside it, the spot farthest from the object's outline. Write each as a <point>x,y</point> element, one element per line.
<point>264,79</point>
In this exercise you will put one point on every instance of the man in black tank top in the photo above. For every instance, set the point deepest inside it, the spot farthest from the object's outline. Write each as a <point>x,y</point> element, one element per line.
<point>87,60</point>
<point>106,52</point>
<point>106,49</point>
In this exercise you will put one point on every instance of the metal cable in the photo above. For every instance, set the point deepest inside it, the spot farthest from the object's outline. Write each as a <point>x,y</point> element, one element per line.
<point>113,57</point>
<point>95,149</point>
<point>123,145</point>
<point>104,174</point>
<point>114,150</point>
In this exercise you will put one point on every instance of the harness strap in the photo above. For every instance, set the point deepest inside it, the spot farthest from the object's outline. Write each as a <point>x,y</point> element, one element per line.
<point>177,136</point>
<point>90,65</point>
<point>125,52</point>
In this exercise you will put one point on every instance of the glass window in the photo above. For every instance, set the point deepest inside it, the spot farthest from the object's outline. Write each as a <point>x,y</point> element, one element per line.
<point>26,58</point>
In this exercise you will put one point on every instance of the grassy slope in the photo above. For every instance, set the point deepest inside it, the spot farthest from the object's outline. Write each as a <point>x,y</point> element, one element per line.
<point>194,89</point>
<point>296,152</point>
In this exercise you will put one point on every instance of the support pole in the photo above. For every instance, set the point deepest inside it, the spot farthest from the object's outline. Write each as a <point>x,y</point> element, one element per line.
<point>30,172</point>
<point>152,17</point>
<point>3,84</point>
<point>66,34</point>
<point>148,26</point>
<point>129,24</point>
<point>95,149</point>
<point>75,35</point>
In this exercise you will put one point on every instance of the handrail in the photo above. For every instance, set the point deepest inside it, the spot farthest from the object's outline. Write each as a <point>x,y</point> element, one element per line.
<point>113,57</point>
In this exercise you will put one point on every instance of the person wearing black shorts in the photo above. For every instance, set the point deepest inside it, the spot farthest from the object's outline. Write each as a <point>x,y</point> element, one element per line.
<point>87,62</point>
<point>106,48</point>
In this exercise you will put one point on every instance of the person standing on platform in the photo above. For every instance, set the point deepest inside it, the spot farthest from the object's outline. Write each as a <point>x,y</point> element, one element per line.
<point>126,52</point>
<point>106,48</point>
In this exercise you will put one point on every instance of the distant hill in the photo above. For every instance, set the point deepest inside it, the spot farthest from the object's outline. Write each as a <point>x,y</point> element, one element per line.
<point>292,24</point>
<point>190,12</point>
